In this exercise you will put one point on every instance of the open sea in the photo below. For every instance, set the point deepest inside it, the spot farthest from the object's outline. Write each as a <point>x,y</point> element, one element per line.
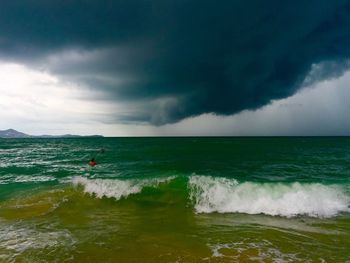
<point>277,199</point>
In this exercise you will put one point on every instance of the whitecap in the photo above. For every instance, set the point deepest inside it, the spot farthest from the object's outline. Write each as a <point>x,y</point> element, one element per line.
<point>224,195</point>
<point>116,188</point>
<point>8,179</point>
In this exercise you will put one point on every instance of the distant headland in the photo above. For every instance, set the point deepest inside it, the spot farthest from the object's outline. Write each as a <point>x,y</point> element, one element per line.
<point>11,133</point>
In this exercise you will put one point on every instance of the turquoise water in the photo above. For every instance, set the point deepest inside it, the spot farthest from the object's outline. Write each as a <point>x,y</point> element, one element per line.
<point>175,200</point>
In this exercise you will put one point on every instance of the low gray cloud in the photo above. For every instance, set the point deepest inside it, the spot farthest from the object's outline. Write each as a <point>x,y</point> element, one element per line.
<point>177,59</point>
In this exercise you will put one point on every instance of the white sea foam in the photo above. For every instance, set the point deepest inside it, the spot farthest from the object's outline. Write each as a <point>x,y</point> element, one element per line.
<point>223,195</point>
<point>115,188</point>
<point>263,251</point>
<point>8,179</point>
<point>16,239</point>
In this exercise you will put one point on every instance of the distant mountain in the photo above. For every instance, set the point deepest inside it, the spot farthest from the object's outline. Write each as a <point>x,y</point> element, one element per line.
<point>11,133</point>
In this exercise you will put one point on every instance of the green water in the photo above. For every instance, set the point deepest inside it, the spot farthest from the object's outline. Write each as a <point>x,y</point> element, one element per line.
<point>175,200</point>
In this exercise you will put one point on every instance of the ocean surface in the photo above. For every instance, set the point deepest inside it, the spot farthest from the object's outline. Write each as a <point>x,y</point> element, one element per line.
<point>175,200</point>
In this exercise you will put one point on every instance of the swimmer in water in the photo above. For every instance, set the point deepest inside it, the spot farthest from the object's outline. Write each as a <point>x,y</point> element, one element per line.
<point>92,162</point>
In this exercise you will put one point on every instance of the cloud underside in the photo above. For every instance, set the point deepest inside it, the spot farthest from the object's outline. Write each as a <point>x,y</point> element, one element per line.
<point>176,59</point>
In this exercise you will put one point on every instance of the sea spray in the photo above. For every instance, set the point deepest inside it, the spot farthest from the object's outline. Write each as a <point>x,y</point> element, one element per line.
<point>224,195</point>
<point>115,188</point>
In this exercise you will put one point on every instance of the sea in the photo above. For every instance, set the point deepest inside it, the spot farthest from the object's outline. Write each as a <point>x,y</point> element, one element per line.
<point>187,199</point>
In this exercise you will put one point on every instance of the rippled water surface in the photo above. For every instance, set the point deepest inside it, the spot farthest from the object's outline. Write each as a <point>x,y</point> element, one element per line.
<point>175,200</point>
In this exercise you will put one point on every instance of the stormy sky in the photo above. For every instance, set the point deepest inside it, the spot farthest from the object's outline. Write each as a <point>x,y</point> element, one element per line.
<point>160,67</point>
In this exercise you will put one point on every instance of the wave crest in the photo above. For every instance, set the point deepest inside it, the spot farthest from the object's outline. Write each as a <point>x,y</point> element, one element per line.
<point>228,196</point>
<point>223,195</point>
<point>115,188</point>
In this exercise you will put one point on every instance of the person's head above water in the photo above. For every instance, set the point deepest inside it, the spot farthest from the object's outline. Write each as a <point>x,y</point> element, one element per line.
<point>92,162</point>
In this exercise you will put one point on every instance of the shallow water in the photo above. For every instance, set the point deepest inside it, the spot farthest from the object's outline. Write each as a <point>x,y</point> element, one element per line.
<point>175,200</point>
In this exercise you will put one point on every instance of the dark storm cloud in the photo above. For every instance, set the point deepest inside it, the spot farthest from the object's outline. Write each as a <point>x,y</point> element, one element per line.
<point>181,58</point>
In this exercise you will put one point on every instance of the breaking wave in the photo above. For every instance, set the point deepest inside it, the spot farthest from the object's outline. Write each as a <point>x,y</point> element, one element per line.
<point>229,196</point>
<point>222,195</point>
<point>115,188</point>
